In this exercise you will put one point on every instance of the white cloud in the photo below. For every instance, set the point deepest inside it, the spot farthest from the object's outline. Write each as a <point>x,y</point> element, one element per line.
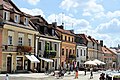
<point>67,4</point>
<point>112,26</point>
<point>113,14</point>
<point>33,2</point>
<point>33,12</point>
<point>92,6</point>
<point>69,21</point>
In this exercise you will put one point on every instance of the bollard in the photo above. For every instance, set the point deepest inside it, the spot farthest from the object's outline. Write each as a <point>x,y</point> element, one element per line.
<point>7,77</point>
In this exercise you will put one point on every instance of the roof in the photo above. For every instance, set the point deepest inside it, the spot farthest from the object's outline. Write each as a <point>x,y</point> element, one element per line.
<point>84,37</point>
<point>64,31</point>
<point>107,50</point>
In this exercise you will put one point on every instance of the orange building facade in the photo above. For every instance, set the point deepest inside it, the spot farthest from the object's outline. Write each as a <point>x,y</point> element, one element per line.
<point>68,46</point>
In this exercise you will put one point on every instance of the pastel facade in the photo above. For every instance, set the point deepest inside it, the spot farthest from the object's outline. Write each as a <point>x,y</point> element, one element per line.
<point>47,38</point>
<point>16,34</point>
<point>68,45</point>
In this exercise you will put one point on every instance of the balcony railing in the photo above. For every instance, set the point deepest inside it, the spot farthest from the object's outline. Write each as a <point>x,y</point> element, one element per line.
<point>9,48</point>
<point>72,56</point>
<point>49,54</point>
<point>24,49</point>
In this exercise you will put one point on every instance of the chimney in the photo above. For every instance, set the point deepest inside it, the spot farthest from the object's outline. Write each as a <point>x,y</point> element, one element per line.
<point>1,2</point>
<point>72,31</point>
<point>89,37</point>
<point>61,27</point>
<point>101,43</point>
<point>54,24</point>
<point>97,40</point>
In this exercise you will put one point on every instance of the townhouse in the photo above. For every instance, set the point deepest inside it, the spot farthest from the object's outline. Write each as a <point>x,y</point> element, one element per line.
<point>16,39</point>
<point>81,51</point>
<point>109,57</point>
<point>94,50</point>
<point>68,46</point>
<point>47,44</point>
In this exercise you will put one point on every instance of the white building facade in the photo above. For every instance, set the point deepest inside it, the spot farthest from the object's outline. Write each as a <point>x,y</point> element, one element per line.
<point>81,54</point>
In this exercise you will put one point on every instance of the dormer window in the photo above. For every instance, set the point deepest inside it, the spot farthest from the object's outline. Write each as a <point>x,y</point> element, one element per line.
<point>26,21</point>
<point>6,15</point>
<point>16,18</point>
<point>53,32</point>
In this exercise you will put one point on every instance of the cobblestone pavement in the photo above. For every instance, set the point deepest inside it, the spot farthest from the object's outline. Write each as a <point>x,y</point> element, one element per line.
<point>39,76</point>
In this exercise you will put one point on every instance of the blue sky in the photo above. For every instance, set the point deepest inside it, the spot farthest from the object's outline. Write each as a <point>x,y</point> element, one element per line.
<point>97,18</point>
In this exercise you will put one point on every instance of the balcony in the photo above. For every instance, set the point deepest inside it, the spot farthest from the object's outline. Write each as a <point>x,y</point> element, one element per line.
<point>24,49</point>
<point>9,48</point>
<point>49,54</point>
<point>72,56</point>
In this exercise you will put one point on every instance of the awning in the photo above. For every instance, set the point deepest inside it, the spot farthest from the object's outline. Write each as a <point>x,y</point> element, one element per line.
<point>32,58</point>
<point>47,60</point>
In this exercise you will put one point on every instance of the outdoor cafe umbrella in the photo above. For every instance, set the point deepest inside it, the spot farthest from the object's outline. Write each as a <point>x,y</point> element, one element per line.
<point>90,62</point>
<point>98,62</point>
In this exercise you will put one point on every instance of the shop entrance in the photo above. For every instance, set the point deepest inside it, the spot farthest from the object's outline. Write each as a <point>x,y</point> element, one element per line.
<point>9,62</point>
<point>19,63</point>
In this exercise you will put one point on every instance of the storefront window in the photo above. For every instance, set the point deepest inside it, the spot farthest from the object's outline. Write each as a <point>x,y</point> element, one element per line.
<point>19,63</point>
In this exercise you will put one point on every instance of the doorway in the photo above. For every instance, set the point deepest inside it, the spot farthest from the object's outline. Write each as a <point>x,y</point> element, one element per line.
<point>9,62</point>
<point>19,63</point>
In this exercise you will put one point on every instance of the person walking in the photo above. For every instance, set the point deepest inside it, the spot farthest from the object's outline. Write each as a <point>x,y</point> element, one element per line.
<point>85,70</point>
<point>76,73</point>
<point>102,76</point>
<point>91,73</point>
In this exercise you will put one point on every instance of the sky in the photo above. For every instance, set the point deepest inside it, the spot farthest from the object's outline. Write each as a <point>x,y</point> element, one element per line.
<point>99,19</point>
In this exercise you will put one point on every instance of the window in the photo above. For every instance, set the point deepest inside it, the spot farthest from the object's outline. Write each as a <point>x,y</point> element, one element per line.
<point>61,37</point>
<point>77,53</point>
<point>84,52</point>
<point>65,38</point>
<point>55,47</point>
<point>81,52</point>
<point>39,45</point>
<point>20,41</point>
<point>69,39</point>
<point>66,52</point>
<point>6,15</point>
<point>26,21</point>
<point>53,64</point>
<point>29,42</point>
<point>72,40</point>
<point>10,40</point>
<point>73,51</point>
<point>16,19</point>
<point>62,51</point>
<point>42,63</point>
<point>70,51</point>
<point>53,32</point>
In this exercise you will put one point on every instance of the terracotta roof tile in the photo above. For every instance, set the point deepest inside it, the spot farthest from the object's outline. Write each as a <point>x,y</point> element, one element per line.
<point>105,50</point>
<point>64,31</point>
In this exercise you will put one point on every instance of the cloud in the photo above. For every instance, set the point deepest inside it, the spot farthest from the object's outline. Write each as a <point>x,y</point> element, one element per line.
<point>69,22</point>
<point>110,27</point>
<point>33,12</point>
<point>68,4</point>
<point>33,2</point>
<point>113,14</point>
<point>92,6</point>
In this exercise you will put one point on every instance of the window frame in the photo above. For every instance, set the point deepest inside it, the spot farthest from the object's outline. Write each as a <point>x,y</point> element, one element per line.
<point>20,41</point>
<point>6,15</point>
<point>16,18</point>
<point>10,40</point>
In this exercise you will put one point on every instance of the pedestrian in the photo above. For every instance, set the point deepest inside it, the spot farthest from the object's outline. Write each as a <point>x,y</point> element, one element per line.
<point>46,69</point>
<point>102,76</point>
<point>91,73</point>
<point>76,73</point>
<point>85,70</point>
